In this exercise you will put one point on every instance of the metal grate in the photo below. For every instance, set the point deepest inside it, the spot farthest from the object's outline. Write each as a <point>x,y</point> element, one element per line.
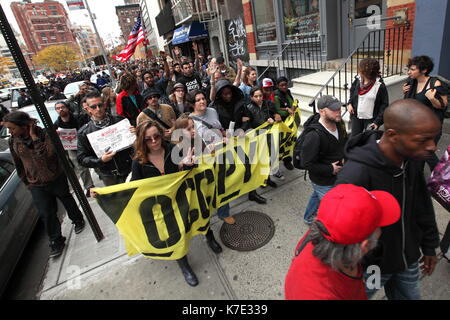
<point>252,231</point>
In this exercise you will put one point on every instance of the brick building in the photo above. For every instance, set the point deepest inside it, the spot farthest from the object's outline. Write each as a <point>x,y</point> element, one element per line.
<point>87,40</point>
<point>43,24</point>
<point>127,15</point>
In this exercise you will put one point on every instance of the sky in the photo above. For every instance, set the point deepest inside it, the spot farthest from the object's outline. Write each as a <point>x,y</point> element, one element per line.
<point>105,11</point>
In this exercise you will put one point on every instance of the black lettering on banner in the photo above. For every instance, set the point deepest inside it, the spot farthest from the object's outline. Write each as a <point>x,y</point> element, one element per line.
<point>148,220</point>
<point>228,159</point>
<point>246,161</point>
<point>188,216</point>
<point>203,203</point>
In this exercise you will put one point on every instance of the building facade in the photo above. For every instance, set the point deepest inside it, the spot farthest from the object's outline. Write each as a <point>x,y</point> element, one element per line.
<point>87,40</point>
<point>43,24</point>
<point>127,15</point>
<point>148,21</point>
<point>337,27</point>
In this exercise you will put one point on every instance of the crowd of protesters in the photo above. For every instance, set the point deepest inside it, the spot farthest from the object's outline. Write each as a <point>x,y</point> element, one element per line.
<point>388,220</point>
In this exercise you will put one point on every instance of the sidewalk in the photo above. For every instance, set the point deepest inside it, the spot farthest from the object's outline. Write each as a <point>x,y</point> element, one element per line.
<point>90,270</point>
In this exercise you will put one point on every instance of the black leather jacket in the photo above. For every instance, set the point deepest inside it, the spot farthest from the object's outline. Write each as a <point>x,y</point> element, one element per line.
<point>120,163</point>
<point>259,115</point>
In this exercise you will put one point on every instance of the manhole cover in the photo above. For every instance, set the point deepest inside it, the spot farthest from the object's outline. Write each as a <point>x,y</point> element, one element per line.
<point>252,230</point>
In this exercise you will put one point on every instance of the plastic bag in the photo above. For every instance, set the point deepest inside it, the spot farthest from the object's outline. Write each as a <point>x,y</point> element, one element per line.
<point>439,181</point>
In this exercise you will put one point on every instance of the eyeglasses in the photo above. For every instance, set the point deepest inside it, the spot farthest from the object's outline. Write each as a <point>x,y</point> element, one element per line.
<point>95,106</point>
<point>154,138</point>
<point>153,97</point>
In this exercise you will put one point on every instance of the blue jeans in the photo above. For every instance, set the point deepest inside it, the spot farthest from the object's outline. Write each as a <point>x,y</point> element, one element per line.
<point>401,285</point>
<point>314,201</point>
<point>224,211</point>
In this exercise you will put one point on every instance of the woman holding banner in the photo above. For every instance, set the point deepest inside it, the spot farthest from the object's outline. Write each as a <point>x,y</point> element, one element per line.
<point>152,159</point>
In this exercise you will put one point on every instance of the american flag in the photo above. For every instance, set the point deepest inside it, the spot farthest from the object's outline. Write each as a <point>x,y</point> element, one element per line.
<point>136,37</point>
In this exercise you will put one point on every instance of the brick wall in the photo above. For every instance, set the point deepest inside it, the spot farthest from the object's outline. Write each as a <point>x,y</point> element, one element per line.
<point>392,39</point>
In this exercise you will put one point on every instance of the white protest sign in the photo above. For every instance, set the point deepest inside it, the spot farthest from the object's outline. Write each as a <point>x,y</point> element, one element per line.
<point>68,138</point>
<point>113,138</point>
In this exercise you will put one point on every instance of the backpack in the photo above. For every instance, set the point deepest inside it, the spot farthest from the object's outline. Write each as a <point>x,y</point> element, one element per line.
<point>297,161</point>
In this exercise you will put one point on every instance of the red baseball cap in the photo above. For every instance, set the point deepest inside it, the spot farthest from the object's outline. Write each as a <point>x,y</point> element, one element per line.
<point>351,213</point>
<point>267,83</point>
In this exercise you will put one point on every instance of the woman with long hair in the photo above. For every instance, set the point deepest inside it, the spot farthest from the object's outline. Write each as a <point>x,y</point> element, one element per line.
<point>368,97</point>
<point>249,78</point>
<point>109,99</point>
<point>129,102</point>
<point>153,158</point>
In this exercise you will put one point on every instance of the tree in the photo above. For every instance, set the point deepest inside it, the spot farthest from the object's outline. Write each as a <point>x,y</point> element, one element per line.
<point>58,58</point>
<point>5,63</point>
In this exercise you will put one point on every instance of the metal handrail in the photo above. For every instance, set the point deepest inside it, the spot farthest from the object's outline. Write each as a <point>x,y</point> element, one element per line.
<point>273,60</point>
<point>294,59</point>
<point>343,66</point>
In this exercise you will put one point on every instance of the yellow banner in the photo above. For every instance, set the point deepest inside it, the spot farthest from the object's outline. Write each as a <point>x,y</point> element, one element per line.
<point>158,216</point>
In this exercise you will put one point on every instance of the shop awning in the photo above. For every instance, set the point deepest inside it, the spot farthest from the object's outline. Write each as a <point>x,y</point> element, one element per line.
<point>191,32</point>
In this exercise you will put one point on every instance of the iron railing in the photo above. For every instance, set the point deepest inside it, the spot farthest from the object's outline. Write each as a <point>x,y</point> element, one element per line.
<point>297,57</point>
<point>385,45</point>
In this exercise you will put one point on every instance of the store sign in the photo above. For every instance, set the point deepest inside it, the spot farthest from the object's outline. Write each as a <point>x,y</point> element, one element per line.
<point>236,40</point>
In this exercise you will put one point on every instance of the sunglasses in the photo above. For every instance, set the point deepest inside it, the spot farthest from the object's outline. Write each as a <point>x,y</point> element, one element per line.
<point>95,106</point>
<point>154,138</point>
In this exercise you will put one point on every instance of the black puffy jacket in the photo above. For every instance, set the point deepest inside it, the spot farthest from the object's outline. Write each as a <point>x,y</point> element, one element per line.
<point>120,163</point>
<point>259,115</point>
<point>416,233</point>
<point>232,111</point>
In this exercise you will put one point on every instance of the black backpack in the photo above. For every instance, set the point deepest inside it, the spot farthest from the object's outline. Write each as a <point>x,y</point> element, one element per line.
<point>297,161</point>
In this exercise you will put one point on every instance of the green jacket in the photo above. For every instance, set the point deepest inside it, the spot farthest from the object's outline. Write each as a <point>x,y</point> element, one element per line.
<point>283,101</point>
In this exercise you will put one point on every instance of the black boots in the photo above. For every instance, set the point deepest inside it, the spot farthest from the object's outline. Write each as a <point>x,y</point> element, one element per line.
<point>212,243</point>
<point>188,274</point>
<point>253,196</point>
<point>271,183</point>
<point>186,269</point>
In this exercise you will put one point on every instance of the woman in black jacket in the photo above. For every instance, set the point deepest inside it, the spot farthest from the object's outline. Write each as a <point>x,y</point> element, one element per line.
<point>258,112</point>
<point>368,97</point>
<point>153,158</point>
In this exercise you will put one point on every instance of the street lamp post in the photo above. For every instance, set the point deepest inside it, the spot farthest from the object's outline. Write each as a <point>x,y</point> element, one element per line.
<point>100,43</point>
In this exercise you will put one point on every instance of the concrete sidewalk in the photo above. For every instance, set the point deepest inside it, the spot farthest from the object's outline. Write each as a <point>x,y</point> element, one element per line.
<point>90,270</point>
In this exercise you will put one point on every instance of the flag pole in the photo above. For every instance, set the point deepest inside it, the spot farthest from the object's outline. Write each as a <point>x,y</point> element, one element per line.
<point>100,43</point>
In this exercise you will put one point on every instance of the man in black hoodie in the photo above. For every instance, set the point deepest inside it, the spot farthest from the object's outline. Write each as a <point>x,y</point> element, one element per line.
<point>323,152</point>
<point>392,161</point>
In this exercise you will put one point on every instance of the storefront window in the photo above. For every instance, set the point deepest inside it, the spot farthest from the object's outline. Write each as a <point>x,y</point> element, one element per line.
<point>301,18</point>
<point>265,20</point>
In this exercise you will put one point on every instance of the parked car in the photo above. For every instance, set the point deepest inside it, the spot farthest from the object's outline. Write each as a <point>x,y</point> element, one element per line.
<point>72,88</point>
<point>5,94</point>
<point>94,76</point>
<point>32,111</point>
<point>18,216</point>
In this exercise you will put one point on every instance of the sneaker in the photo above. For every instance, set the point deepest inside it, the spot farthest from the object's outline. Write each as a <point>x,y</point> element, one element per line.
<point>308,221</point>
<point>79,226</point>
<point>230,220</point>
<point>279,175</point>
<point>57,247</point>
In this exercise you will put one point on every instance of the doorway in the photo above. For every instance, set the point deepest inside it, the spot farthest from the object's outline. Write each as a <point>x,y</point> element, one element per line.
<point>358,19</point>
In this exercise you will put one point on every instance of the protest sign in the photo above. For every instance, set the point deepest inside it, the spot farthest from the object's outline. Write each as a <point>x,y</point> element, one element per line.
<point>113,138</point>
<point>68,138</point>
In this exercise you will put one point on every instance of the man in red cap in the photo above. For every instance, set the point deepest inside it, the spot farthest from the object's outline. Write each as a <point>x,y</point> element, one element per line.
<point>327,260</point>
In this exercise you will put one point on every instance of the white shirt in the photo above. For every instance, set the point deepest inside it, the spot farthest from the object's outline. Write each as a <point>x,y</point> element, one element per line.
<point>366,102</point>
<point>334,133</point>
